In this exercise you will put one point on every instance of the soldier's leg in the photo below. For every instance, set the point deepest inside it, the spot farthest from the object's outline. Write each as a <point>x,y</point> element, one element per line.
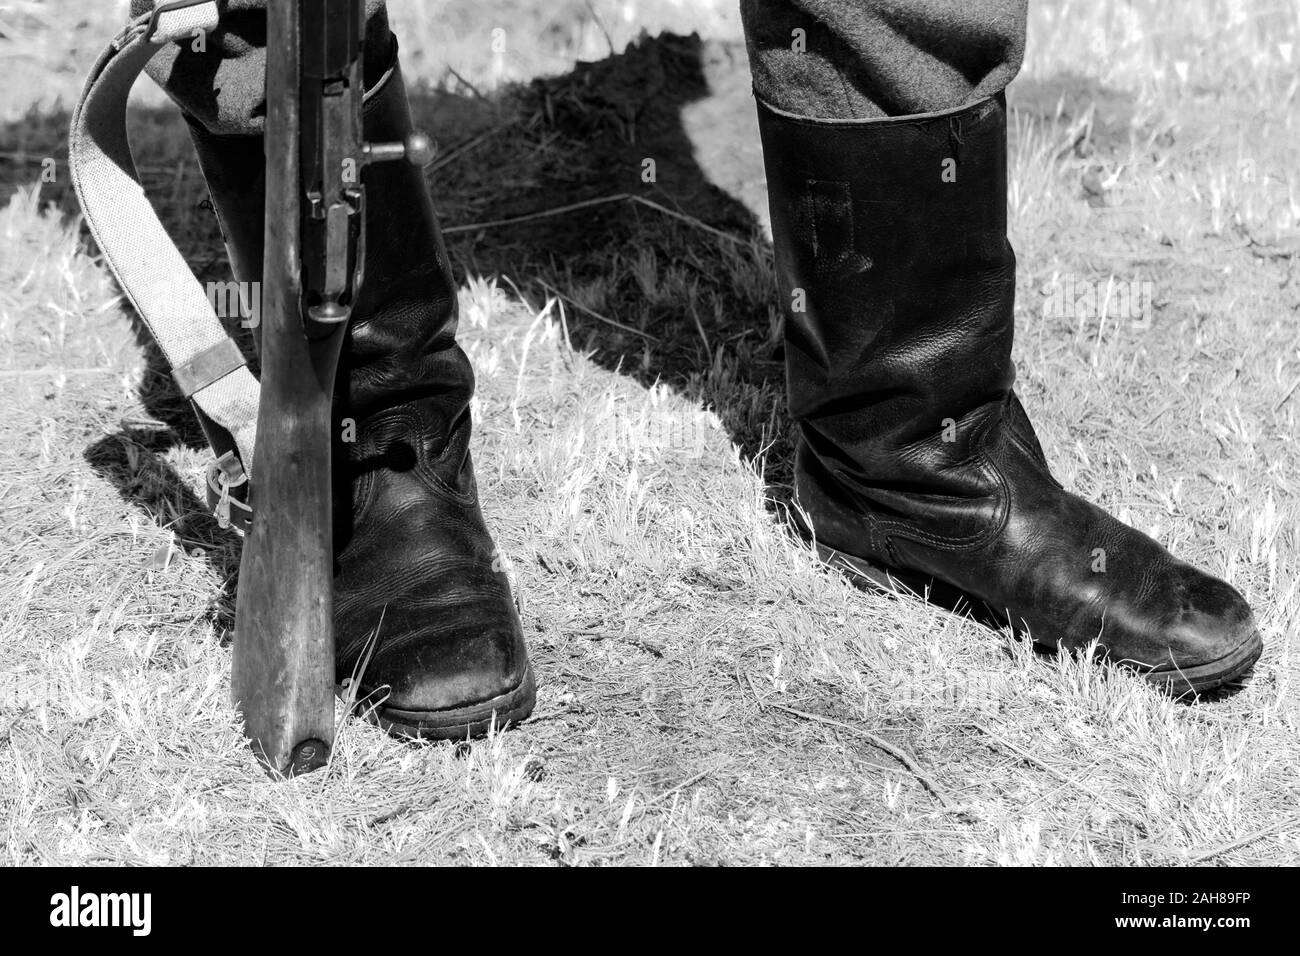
<point>416,567</point>
<point>884,140</point>
<point>862,59</point>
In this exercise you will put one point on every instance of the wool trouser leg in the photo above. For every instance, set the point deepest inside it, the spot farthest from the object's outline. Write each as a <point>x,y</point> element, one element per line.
<point>860,59</point>
<point>221,85</point>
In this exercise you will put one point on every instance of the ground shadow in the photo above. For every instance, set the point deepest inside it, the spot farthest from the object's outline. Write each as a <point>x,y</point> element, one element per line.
<point>133,458</point>
<point>664,273</point>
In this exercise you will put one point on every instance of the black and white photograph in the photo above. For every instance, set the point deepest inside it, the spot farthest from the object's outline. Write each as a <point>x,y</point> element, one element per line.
<point>651,433</point>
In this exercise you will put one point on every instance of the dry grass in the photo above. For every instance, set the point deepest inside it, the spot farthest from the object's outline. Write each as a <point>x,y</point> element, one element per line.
<point>708,693</point>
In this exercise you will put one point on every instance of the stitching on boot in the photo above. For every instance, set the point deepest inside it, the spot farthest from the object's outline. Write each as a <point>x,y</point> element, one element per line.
<point>429,476</point>
<point>974,541</point>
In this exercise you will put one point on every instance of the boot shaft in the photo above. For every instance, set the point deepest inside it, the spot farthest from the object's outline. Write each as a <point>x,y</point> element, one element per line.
<point>896,281</point>
<point>404,383</point>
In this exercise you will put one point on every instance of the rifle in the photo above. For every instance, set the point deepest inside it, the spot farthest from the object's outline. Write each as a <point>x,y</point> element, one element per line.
<point>282,676</point>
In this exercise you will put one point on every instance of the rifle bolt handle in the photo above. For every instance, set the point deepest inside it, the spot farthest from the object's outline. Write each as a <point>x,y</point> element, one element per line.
<point>418,149</point>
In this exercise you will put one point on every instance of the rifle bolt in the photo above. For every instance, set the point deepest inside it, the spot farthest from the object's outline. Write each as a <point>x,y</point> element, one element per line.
<point>418,149</point>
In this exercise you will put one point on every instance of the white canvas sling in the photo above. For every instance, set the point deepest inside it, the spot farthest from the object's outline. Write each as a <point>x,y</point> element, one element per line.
<point>204,360</point>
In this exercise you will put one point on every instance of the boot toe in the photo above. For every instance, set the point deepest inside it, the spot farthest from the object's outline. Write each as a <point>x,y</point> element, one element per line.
<point>449,650</point>
<point>447,659</point>
<point>425,617</point>
<point>1209,639</point>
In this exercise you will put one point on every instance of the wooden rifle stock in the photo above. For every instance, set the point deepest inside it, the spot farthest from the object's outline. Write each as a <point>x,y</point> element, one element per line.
<point>282,676</point>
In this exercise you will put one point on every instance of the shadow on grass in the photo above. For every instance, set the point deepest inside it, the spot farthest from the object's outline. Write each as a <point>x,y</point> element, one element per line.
<point>655,242</point>
<point>133,457</point>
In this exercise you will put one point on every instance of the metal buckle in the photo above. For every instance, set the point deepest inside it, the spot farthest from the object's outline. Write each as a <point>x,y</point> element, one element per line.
<point>228,492</point>
<point>171,6</point>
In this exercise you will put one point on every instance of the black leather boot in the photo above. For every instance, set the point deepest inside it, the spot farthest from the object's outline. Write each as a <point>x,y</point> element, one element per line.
<point>916,464</point>
<point>418,581</point>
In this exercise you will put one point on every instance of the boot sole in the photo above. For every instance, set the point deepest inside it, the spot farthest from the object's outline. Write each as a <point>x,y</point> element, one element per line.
<point>459,723</point>
<point>1203,678</point>
<point>1178,682</point>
